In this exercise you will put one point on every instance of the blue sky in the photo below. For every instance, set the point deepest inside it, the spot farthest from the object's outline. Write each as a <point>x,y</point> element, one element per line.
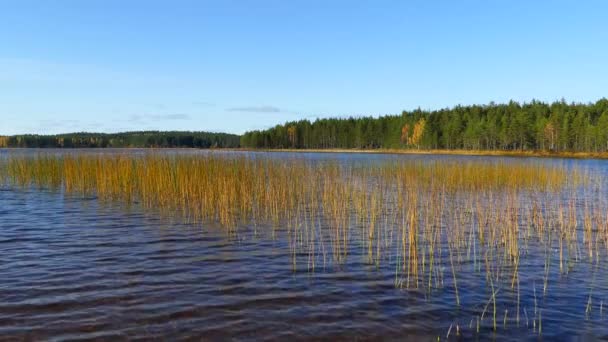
<point>239,65</point>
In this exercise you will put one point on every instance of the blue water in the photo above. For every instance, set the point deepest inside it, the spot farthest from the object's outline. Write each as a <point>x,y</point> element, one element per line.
<point>72,267</point>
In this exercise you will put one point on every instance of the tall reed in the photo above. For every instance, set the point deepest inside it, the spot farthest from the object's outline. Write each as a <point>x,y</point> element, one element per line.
<point>420,216</point>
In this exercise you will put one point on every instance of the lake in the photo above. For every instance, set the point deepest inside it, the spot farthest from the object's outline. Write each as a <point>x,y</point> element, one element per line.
<point>74,266</point>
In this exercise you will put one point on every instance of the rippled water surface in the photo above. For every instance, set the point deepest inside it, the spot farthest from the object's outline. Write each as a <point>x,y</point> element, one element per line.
<point>72,267</point>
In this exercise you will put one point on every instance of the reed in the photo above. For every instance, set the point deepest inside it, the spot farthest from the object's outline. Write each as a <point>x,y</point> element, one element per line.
<point>417,217</point>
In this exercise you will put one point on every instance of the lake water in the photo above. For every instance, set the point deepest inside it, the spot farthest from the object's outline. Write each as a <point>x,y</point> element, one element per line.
<point>72,267</point>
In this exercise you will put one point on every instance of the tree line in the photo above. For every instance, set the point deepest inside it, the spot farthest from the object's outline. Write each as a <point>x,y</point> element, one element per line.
<point>126,139</point>
<point>557,126</point>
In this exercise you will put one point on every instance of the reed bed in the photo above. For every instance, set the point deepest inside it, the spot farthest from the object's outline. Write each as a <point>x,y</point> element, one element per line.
<point>436,224</point>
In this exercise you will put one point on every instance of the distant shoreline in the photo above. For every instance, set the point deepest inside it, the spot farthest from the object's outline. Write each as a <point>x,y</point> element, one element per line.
<point>500,153</point>
<point>496,153</point>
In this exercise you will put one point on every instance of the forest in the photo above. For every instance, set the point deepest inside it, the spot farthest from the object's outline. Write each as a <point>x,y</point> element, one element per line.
<point>126,139</point>
<point>558,126</point>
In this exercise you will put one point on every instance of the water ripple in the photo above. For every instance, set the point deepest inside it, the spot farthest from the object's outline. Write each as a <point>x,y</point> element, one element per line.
<point>77,269</point>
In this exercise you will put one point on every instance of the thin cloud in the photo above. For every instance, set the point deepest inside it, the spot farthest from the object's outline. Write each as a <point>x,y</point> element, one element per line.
<point>256,109</point>
<point>174,117</point>
<point>158,117</point>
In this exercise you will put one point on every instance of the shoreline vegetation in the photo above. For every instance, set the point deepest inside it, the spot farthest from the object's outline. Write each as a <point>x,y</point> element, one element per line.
<point>497,153</point>
<point>535,129</point>
<point>533,126</point>
<point>136,139</point>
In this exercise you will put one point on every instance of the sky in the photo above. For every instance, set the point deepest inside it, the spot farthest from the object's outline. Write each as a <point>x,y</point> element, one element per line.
<point>234,66</point>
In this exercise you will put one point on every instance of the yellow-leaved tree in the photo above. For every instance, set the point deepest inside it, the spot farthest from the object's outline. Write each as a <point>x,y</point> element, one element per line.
<point>417,133</point>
